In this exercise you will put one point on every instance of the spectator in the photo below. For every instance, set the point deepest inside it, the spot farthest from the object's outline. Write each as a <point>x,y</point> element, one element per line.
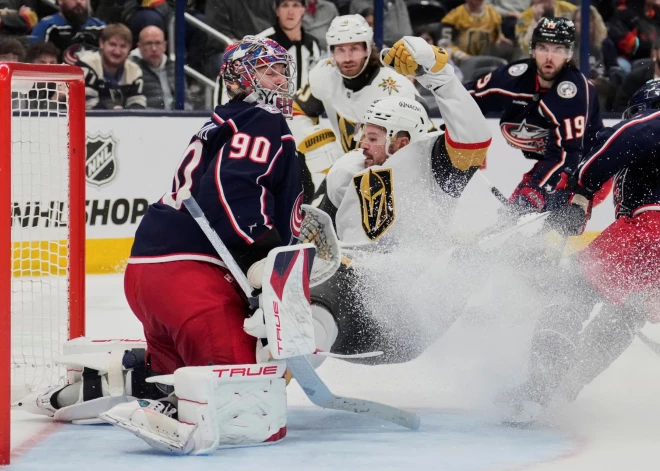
<point>112,82</point>
<point>317,19</point>
<point>633,28</point>
<point>71,30</point>
<point>510,10</point>
<point>638,77</point>
<point>45,95</point>
<point>342,6</point>
<point>158,71</point>
<point>473,29</point>
<point>289,33</point>
<point>11,49</point>
<point>530,18</point>
<point>602,51</point>
<point>18,16</point>
<point>396,23</point>
<point>42,53</point>
<point>238,18</point>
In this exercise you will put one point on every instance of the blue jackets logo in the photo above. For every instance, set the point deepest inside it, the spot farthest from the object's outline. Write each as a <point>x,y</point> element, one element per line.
<point>101,161</point>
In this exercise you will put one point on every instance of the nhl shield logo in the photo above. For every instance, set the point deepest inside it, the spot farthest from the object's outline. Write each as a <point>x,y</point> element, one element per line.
<point>101,161</point>
<point>374,191</point>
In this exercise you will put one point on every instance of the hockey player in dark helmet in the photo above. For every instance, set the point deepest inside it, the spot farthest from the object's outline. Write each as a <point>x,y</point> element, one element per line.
<point>548,110</point>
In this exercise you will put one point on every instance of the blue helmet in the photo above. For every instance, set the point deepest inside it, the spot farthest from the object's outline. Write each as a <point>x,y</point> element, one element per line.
<point>646,98</point>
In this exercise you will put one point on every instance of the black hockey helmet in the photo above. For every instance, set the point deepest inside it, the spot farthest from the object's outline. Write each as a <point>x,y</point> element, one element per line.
<point>646,98</point>
<point>554,30</point>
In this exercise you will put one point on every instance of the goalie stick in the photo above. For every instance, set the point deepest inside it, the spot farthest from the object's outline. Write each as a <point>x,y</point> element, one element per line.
<point>310,382</point>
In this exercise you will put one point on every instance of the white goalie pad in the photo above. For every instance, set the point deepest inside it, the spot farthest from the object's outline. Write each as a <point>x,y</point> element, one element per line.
<point>317,229</point>
<point>285,301</point>
<point>218,407</point>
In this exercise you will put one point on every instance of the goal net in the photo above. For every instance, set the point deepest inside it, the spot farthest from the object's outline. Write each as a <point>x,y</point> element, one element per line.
<point>42,159</point>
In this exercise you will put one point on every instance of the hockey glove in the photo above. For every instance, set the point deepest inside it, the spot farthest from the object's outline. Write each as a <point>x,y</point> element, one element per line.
<point>572,219</point>
<point>414,56</point>
<point>528,198</point>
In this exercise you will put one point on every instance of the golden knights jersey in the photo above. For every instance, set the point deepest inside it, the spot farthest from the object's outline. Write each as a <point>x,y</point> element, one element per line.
<point>472,34</point>
<point>424,177</point>
<point>327,91</point>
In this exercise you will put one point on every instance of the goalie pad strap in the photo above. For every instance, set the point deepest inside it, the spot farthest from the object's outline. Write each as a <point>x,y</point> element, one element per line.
<point>91,385</point>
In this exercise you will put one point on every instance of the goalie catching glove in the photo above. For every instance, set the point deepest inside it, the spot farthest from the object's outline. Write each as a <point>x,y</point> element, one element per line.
<point>414,56</point>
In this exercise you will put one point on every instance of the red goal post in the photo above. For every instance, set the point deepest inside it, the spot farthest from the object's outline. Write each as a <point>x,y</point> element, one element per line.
<point>42,154</point>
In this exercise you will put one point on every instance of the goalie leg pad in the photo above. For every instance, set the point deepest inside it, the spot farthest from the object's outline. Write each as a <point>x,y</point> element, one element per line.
<point>218,407</point>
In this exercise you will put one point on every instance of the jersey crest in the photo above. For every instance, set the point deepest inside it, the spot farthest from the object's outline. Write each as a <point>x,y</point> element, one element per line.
<point>389,85</point>
<point>374,191</point>
<point>518,69</point>
<point>347,132</point>
<point>526,137</point>
<point>566,89</point>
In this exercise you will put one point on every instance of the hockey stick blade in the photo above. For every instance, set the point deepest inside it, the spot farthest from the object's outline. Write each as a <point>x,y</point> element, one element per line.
<point>341,356</point>
<point>317,392</point>
<point>653,345</point>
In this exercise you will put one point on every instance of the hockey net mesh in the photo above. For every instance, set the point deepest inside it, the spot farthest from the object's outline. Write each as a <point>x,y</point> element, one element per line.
<point>40,215</point>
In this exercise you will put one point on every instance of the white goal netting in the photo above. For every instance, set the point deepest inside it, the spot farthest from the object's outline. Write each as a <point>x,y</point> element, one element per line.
<point>39,229</point>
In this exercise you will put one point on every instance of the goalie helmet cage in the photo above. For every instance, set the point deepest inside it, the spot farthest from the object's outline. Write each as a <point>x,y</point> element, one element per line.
<point>42,182</point>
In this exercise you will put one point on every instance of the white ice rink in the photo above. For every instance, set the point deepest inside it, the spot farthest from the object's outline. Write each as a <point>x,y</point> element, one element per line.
<point>614,424</point>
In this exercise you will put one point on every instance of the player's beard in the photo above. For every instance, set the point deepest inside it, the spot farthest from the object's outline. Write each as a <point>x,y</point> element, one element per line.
<point>549,76</point>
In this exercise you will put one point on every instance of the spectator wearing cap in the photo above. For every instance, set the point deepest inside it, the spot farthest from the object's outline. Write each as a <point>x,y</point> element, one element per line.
<point>112,81</point>
<point>158,71</point>
<point>638,77</point>
<point>71,30</point>
<point>11,49</point>
<point>317,19</point>
<point>18,16</point>
<point>396,18</point>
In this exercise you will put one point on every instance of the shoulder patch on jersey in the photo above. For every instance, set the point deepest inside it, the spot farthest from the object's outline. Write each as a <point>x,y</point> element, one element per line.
<point>374,191</point>
<point>389,85</point>
<point>518,69</point>
<point>270,108</point>
<point>566,89</point>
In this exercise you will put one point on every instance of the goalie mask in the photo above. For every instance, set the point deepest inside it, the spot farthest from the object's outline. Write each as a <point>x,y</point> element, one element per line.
<point>260,70</point>
<point>395,114</point>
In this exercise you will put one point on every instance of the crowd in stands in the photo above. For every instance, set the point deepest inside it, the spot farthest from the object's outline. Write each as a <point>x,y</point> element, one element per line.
<point>122,44</point>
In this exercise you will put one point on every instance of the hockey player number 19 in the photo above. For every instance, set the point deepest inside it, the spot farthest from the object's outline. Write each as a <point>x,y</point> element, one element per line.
<point>242,144</point>
<point>574,127</point>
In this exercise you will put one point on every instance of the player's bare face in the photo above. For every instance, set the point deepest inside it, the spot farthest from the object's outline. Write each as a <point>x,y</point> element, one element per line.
<point>550,59</point>
<point>373,142</point>
<point>272,77</point>
<point>350,58</point>
<point>115,51</point>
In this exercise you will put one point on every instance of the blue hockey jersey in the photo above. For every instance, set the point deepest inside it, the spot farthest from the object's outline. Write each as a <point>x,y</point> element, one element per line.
<point>70,39</point>
<point>554,126</point>
<point>629,151</point>
<point>243,170</point>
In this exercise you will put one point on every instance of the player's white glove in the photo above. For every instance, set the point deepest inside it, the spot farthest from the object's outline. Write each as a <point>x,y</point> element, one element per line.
<point>410,53</point>
<point>321,149</point>
<point>255,273</point>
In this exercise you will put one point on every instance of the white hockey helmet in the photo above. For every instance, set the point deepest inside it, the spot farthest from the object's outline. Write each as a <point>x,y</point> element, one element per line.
<point>396,114</point>
<point>350,29</point>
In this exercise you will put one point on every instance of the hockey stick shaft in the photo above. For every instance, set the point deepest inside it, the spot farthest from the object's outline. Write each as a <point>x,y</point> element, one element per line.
<point>493,189</point>
<point>300,367</point>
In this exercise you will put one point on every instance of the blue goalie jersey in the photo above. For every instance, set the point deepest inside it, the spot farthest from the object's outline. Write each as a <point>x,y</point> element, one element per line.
<point>243,170</point>
<point>555,126</point>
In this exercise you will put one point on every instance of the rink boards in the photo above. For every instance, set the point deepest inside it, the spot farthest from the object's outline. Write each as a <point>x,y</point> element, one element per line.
<point>131,162</point>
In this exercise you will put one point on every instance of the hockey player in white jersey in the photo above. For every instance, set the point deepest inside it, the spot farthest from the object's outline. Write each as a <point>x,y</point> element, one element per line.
<point>343,87</point>
<point>375,191</point>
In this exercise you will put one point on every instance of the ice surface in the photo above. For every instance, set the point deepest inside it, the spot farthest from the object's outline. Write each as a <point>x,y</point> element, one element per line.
<point>614,424</point>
